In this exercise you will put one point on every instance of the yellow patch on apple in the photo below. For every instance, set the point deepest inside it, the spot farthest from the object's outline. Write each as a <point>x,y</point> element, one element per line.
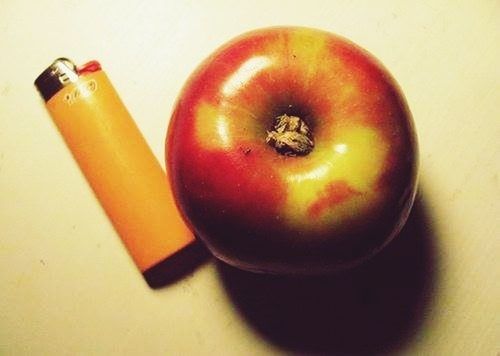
<point>354,160</point>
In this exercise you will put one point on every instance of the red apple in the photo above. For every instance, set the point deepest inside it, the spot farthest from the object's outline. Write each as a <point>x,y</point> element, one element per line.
<point>292,150</point>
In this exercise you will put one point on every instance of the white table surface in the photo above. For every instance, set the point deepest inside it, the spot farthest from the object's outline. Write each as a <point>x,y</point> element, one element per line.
<point>67,284</point>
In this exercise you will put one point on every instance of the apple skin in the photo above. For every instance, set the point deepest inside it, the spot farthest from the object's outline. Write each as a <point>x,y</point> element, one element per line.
<point>263,211</point>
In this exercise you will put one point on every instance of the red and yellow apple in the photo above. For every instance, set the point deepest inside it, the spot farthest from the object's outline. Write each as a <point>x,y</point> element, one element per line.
<point>292,150</point>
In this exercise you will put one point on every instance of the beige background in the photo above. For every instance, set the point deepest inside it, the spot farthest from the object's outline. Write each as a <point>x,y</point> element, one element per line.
<point>69,287</point>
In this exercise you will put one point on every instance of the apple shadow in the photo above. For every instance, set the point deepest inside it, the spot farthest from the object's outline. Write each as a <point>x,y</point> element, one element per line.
<point>372,309</point>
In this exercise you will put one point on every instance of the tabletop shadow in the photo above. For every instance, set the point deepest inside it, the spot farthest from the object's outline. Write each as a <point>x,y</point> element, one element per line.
<point>375,308</point>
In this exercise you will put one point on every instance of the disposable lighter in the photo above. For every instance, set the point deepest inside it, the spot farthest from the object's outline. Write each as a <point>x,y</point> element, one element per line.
<point>119,166</point>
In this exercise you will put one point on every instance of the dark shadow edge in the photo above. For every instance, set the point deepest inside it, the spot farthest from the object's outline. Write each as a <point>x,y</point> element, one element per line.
<point>176,266</point>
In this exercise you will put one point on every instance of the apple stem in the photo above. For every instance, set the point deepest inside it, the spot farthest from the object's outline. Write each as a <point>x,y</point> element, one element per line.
<point>290,136</point>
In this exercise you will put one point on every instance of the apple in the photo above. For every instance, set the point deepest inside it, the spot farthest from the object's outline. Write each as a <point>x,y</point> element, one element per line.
<point>292,151</point>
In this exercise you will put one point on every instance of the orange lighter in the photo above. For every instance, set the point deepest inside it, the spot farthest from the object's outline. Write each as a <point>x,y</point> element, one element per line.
<point>120,167</point>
